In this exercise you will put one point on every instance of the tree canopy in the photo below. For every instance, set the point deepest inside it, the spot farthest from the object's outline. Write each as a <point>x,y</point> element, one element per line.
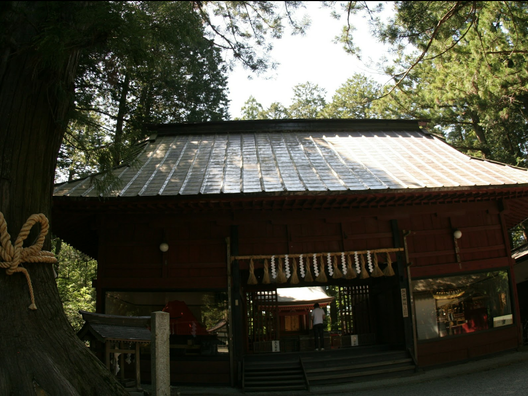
<point>459,65</point>
<point>77,67</point>
<point>466,73</point>
<point>167,62</point>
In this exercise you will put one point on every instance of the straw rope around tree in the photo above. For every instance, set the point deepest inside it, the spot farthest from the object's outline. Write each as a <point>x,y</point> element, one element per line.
<point>14,255</point>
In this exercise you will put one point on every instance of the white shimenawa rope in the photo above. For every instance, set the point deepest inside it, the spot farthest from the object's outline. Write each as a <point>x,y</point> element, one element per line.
<point>329,263</point>
<point>356,260</point>
<point>343,263</point>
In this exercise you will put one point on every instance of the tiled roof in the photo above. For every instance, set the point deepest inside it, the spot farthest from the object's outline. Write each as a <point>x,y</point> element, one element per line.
<point>287,157</point>
<point>113,327</point>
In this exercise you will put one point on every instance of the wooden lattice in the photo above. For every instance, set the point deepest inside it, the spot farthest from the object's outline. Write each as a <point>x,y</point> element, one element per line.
<point>355,307</point>
<point>262,315</point>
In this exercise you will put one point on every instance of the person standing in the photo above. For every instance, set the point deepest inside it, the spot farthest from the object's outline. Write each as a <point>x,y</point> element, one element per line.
<point>318,315</point>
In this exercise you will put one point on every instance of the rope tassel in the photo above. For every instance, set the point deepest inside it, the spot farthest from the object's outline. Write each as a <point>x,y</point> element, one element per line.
<point>308,277</point>
<point>266,278</point>
<point>377,272</point>
<point>389,271</point>
<point>252,278</point>
<point>321,277</point>
<point>363,274</point>
<point>351,272</point>
<point>281,278</point>
<point>294,277</point>
<point>15,255</point>
<point>337,272</point>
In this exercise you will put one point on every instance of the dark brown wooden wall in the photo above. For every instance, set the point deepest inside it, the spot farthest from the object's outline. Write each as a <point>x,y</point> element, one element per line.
<point>130,255</point>
<point>431,245</point>
<point>458,349</point>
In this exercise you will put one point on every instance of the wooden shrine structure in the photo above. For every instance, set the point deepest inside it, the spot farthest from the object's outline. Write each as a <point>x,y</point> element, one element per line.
<point>406,234</point>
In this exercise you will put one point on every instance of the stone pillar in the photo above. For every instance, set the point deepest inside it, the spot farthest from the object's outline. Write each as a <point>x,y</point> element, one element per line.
<point>160,353</point>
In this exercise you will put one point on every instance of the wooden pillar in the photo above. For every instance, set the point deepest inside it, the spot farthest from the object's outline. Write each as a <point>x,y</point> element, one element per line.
<point>237,314</point>
<point>405,292</point>
<point>138,368</point>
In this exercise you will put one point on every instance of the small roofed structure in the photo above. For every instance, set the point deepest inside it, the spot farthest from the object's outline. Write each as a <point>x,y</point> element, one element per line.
<point>120,335</point>
<point>295,305</point>
<point>303,297</point>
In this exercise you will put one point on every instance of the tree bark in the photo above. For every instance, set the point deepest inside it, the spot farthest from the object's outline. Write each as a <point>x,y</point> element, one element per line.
<point>40,353</point>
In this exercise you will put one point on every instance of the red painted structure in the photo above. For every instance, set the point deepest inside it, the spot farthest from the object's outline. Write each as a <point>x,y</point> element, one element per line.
<point>212,237</point>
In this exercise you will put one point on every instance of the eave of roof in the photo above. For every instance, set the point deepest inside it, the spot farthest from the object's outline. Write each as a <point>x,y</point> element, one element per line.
<point>297,162</point>
<point>299,165</point>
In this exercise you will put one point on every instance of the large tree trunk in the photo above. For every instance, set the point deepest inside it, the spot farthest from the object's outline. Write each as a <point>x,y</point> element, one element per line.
<point>39,352</point>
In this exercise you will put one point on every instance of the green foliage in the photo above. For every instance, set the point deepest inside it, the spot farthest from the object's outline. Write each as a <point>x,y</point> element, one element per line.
<point>357,98</point>
<point>308,102</point>
<point>468,75</point>
<point>252,110</point>
<point>156,62</point>
<point>75,272</point>
<point>245,28</point>
<point>518,235</point>
<point>214,309</point>
<point>157,67</point>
